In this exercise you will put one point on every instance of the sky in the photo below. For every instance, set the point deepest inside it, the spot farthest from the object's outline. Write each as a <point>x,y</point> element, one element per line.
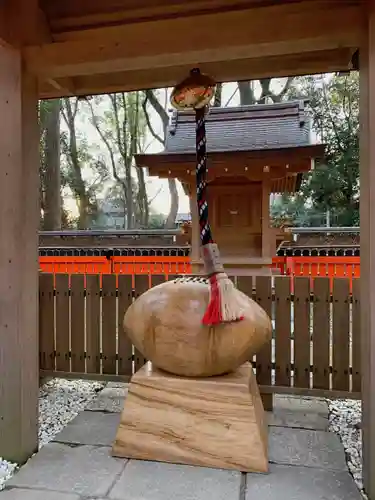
<point>157,188</point>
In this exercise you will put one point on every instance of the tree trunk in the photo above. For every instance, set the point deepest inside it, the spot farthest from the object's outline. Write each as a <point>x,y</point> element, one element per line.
<point>246,93</point>
<point>129,198</point>
<point>83,220</point>
<point>143,204</point>
<point>78,184</point>
<point>172,185</point>
<point>218,95</point>
<point>171,219</point>
<point>52,197</point>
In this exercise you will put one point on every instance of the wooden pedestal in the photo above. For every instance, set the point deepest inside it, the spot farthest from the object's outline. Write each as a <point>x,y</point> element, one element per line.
<point>214,422</point>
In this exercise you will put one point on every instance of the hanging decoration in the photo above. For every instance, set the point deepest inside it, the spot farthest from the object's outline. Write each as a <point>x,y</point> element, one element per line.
<point>196,92</point>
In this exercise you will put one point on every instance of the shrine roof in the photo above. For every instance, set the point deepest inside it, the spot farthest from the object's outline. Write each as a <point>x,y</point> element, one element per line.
<point>243,128</point>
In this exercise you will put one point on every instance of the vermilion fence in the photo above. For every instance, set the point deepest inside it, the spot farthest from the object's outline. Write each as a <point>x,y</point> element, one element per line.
<point>345,267</point>
<point>133,265</point>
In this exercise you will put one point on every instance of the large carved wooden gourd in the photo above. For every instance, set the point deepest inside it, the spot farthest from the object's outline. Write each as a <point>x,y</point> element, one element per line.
<point>165,324</point>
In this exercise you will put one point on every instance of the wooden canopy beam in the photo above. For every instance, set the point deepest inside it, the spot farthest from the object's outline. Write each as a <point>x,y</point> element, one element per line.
<point>70,16</point>
<point>243,34</point>
<point>23,23</point>
<point>222,71</point>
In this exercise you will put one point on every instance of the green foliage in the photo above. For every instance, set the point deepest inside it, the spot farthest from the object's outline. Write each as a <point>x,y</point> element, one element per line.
<point>120,123</point>
<point>334,183</point>
<point>82,172</point>
<point>156,221</point>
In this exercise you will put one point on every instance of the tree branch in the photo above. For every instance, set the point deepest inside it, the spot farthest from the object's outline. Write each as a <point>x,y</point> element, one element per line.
<point>120,142</point>
<point>331,119</point>
<point>95,122</point>
<point>218,95</point>
<point>231,97</point>
<point>278,97</point>
<point>154,134</point>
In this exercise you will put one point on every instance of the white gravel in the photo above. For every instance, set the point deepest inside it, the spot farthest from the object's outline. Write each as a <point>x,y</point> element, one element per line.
<point>59,402</point>
<point>345,420</point>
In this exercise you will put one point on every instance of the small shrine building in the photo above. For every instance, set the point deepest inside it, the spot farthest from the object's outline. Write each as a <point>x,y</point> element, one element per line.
<point>253,152</point>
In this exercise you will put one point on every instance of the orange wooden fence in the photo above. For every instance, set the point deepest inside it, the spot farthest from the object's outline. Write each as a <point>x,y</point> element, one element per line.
<point>330,267</point>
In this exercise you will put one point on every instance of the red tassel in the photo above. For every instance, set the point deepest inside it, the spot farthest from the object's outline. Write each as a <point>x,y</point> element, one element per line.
<point>213,314</point>
<point>225,305</point>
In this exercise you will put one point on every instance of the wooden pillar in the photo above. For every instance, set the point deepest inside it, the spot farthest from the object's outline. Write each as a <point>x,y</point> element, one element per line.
<point>367,179</point>
<point>19,220</point>
<point>266,231</point>
<point>195,240</point>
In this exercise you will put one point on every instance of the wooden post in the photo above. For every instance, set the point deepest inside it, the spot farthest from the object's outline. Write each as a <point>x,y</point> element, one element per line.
<point>266,230</point>
<point>195,241</point>
<point>367,178</point>
<point>19,220</point>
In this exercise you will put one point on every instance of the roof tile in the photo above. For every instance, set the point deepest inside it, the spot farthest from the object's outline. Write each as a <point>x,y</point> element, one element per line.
<point>243,128</point>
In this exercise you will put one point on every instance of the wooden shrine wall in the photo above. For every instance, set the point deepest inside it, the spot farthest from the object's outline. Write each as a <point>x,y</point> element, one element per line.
<point>236,218</point>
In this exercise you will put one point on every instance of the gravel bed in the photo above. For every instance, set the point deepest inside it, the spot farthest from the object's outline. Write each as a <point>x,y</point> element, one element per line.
<point>59,402</point>
<point>345,420</point>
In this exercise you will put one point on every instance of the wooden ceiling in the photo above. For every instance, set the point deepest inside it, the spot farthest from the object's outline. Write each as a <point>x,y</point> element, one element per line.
<point>80,47</point>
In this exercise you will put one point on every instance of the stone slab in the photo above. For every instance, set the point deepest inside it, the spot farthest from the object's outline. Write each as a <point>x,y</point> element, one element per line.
<point>83,470</point>
<point>110,399</point>
<point>306,448</point>
<point>299,419</point>
<point>22,494</point>
<point>160,481</point>
<point>297,403</point>
<point>301,483</point>
<point>108,405</point>
<point>117,385</point>
<point>91,428</point>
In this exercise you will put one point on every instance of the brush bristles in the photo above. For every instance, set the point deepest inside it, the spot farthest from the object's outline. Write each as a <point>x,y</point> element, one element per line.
<point>224,305</point>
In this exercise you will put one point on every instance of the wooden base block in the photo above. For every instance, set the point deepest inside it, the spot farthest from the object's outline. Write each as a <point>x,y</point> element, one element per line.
<point>213,422</point>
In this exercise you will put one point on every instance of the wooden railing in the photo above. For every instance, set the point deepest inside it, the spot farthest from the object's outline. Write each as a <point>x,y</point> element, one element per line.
<point>316,339</point>
<point>171,264</point>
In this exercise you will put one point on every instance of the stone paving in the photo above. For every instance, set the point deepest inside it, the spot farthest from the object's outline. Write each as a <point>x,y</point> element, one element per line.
<point>306,462</point>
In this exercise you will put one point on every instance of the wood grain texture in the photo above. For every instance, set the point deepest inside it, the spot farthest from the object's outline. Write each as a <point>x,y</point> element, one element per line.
<point>356,337</point>
<point>142,284</point>
<point>125,347</point>
<point>302,332</point>
<point>78,322</point>
<point>46,322</point>
<point>264,356</point>
<point>165,325</point>
<point>109,321</point>
<point>283,324</point>
<point>19,222</point>
<point>212,422</point>
<point>62,323</point>
<point>340,334</point>
<point>93,323</point>
<point>321,328</point>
